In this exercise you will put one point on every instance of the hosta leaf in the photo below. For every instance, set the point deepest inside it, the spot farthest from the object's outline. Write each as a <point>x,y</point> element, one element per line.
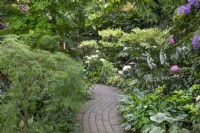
<point>127,127</point>
<point>146,128</point>
<point>163,58</point>
<point>150,62</point>
<point>157,130</point>
<point>181,117</point>
<point>160,117</point>
<point>183,130</point>
<point>171,120</point>
<point>173,129</point>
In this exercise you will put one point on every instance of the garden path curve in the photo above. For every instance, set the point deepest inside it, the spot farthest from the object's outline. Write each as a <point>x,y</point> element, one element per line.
<point>100,114</point>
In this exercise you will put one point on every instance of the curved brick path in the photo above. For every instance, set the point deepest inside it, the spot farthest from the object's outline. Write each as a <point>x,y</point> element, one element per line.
<point>100,115</point>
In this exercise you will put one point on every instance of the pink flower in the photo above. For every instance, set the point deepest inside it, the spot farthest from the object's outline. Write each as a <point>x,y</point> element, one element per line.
<point>171,40</point>
<point>174,68</point>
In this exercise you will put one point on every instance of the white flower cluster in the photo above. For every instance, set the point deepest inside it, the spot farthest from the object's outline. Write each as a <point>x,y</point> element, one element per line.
<point>198,98</point>
<point>87,61</point>
<point>92,57</point>
<point>126,68</point>
<point>102,59</point>
<point>89,58</point>
<point>120,73</point>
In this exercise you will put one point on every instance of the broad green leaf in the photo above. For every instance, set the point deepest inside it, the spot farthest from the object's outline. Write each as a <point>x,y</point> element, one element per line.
<point>183,130</point>
<point>146,128</point>
<point>156,130</point>
<point>128,127</point>
<point>173,129</point>
<point>171,120</point>
<point>160,117</point>
<point>181,117</point>
<point>163,58</point>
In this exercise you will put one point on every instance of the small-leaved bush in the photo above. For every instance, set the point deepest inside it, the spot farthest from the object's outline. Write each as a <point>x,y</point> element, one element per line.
<point>45,89</point>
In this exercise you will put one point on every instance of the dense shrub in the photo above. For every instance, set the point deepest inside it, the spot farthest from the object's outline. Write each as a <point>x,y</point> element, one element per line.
<point>45,90</point>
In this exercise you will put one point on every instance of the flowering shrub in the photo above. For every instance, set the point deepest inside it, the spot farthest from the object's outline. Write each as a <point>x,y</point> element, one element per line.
<point>126,68</point>
<point>171,40</point>
<point>178,87</point>
<point>186,9</point>
<point>98,70</point>
<point>196,41</point>
<point>24,7</point>
<point>164,102</point>
<point>174,68</point>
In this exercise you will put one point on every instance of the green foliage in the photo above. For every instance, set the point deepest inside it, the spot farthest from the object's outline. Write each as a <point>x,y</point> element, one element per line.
<point>87,47</point>
<point>98,70</point>
<point>45,91</point>
<point>130,14</point>
<point>53,22</point>
<point>45,88</point>
<point>162,102</point>
<point>147,112</point>
<point>169,102</point>
<point>115,81</point>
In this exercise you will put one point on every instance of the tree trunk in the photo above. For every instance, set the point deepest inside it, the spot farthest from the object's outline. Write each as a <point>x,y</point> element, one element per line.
<point>25,119</point>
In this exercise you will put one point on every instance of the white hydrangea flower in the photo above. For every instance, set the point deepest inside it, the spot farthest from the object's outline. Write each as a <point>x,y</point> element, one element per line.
<point>120,73</point>
<point>125,48</point>
<point>126,68</point>
<point>96,56</point>
<point>97,51</point>
<point>198,98</point>
<point>89,58</point>
<point>102,60</point>
<point>87,62</point>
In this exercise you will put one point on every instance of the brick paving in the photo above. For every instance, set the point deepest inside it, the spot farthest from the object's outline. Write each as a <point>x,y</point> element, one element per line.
<point>100,114</point>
